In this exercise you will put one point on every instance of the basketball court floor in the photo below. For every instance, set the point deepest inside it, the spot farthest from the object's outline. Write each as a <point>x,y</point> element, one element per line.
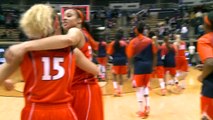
<point>173,106</point>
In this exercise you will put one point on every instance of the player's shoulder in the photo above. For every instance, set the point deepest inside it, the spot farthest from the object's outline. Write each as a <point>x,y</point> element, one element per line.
<point>74,29</point>
<point>205,38</point>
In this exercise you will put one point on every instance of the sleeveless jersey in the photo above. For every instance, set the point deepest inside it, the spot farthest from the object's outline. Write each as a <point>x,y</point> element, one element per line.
<point>80,75</point>
<point>169,60</point>
<point>119,55</point>
<point>48,75</point>
<point>102,49</point>
<point>141,49</point>
<point>181,48</point>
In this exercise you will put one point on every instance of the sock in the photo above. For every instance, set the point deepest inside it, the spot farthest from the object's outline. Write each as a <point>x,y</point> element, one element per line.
<point>121,88</point>
<point>139,95</point>
<point>183,84</point>
<point>162,83</point>
<point>115,85</point>
<point>178,74</point>
<point>146,96</point>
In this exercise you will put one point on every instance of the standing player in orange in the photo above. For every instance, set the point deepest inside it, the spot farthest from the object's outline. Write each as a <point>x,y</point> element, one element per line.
<point>102,58</point>
<point>159,69</point>
<point>168,57</point>
<point>205,50</point>
<point>87,96</point>
<point>47,74</point>
<point>143,52</point>
<point>181,61</point>
<point>117,49</point>
<point>85,87</point>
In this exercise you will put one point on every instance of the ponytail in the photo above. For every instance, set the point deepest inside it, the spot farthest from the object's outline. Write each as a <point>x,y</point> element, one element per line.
<point>118,37</point>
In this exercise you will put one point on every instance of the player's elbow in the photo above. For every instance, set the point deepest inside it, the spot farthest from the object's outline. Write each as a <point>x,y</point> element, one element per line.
<point>69,41</point>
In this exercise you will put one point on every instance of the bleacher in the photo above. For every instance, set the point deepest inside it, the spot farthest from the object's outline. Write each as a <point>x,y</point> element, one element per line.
<point>14,36</point>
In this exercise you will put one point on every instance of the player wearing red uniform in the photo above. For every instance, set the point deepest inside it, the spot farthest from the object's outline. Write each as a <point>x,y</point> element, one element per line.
<point>85,87</point>
<point>48,74</point>
<point>168,56</point>
<point>117,49</point>
<point>159,69</point>
<point>102,58</point>
<point>181,61</point>
<point>205,50</point>
<point>143,51</point>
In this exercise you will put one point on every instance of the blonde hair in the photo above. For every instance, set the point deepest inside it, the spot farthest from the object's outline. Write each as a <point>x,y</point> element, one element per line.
<point>38,21</point>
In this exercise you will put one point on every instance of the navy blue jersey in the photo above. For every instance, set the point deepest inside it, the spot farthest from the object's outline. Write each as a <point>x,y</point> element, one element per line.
<point>169,59</point>
<point>102,49</point>
<point>141,49</point>
<point>159,57</point>
<point>118,54</point>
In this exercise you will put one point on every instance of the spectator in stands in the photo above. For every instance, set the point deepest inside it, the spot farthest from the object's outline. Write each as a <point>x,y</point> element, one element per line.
<point>8,20</point>
<point>192,53</point>
<point>184,32</point>
<point>4,35</point>
<point>2,19</point>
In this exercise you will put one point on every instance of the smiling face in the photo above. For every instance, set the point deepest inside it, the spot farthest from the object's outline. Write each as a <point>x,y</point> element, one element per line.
<point>71,19</point>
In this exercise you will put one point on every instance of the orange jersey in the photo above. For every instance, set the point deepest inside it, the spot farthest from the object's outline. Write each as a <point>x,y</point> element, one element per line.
<point>81,75</point>
<point>47,75</point>
<point>86,92</point>
<point>205,50</point>
<point>137,45</point>
<point>205,46</point>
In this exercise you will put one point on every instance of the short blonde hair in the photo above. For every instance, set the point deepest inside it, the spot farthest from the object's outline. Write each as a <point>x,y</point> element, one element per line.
<point>38,21</point>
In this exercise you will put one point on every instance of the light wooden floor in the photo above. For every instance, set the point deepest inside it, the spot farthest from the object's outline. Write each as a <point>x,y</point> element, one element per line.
<point>184,106</point>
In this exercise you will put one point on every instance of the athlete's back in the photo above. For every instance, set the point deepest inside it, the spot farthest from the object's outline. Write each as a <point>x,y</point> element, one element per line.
<point>47,75</point>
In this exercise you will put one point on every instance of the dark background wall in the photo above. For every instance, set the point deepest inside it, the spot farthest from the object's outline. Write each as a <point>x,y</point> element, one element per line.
<point>84,2</point>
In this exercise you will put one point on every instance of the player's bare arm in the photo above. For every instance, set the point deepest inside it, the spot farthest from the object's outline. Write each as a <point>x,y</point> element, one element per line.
<point>207,69</point>
<point>8,69</point>
<point>73,38</point>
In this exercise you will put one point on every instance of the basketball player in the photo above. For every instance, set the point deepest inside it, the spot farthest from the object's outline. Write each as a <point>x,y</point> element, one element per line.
<point>205,50</point>
<point>159,69</point>
<point>48,74</point>
<point>85,90</point>
<point>102,58</point>
<point>141,49</point>
<point>168,56</point>
<point>117,49</point>
<point>181,61</point>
